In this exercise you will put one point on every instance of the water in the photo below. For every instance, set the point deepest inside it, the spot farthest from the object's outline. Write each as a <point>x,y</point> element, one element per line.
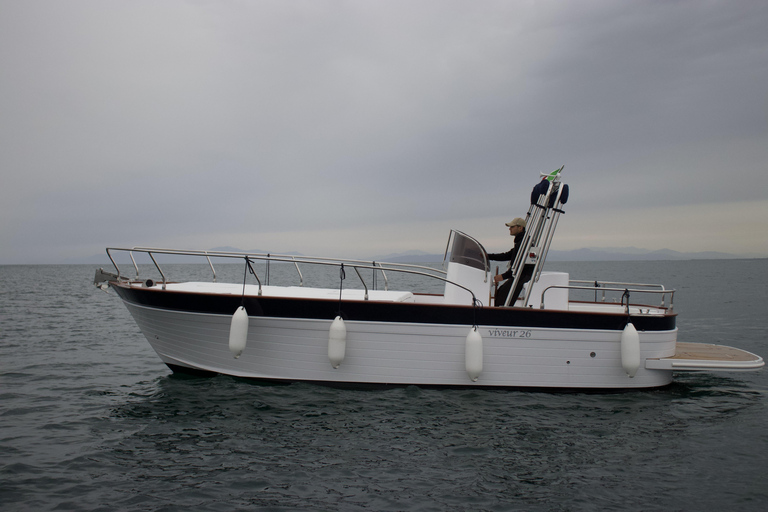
<point>90,419</point>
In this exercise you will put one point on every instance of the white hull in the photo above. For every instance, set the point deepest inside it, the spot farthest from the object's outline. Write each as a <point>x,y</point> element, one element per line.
<point>399,353</point>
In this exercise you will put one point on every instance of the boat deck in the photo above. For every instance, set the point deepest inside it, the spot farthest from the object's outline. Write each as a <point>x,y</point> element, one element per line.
<point>706,357</point>
<point>710,352</point>
<point>290,291</point>
<point>305,292</point>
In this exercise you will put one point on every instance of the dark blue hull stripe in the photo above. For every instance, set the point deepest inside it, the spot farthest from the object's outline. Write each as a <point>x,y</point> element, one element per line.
<point>395,312</point>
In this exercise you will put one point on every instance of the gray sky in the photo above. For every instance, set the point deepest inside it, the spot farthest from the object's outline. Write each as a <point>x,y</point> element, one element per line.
<point>363,128</point>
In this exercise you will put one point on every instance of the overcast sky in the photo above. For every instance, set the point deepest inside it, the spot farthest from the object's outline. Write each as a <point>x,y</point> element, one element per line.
<point>364,128</point>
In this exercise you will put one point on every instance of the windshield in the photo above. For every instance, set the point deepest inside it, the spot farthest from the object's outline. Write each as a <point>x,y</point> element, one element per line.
<point>468,251</point>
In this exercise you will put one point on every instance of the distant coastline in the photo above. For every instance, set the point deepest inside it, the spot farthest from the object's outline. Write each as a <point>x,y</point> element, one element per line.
<point>585,254</point>
<point>592,254</point>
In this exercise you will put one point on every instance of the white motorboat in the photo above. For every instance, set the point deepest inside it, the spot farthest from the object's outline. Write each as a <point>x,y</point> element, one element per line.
<point>369,334</point>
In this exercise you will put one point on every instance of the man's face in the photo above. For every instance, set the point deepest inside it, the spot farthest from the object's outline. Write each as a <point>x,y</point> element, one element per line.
<point>514,230</point>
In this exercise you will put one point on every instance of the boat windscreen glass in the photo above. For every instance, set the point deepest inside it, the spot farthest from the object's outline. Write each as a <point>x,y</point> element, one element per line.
<point>467,251</point>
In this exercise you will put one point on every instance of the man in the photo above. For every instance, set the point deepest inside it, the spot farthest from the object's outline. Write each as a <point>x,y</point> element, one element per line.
<point>516,229</point>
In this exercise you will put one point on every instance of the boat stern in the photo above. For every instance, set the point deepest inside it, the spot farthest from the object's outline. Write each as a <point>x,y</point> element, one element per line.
<point>692,357</point>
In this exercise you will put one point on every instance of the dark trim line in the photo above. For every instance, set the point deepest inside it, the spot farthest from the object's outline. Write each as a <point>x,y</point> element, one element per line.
<point>397,312</point>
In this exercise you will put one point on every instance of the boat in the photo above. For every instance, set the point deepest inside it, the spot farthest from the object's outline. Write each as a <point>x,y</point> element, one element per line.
<point>622,336</point>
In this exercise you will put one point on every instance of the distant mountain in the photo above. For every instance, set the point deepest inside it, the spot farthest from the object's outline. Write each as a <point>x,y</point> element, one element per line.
<point>586,254</point>
<point>410,257</point>
<point>634,254</point>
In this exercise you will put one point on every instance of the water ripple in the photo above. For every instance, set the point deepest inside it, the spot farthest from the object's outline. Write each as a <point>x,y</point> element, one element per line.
<point>91,420</point>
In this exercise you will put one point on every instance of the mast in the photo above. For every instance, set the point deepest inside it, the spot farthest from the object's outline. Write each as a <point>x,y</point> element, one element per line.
<point>547,199</point>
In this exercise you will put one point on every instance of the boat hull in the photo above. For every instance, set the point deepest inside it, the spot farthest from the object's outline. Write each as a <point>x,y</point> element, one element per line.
<point>400,352</point>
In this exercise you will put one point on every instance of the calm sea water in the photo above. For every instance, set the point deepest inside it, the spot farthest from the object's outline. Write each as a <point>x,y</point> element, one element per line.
<point>90,419</point>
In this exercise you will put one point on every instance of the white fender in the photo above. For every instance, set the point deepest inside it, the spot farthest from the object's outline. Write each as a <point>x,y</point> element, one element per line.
<point>238,332</point>
<point>630,350</point>
<point>337,342</point>
<point>473,354</point>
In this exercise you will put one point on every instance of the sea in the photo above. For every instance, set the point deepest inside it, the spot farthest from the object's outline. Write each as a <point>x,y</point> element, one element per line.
<point>90,419</point>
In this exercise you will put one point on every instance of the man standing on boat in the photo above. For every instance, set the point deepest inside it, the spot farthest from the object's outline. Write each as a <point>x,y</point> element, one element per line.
<point>516,229</point>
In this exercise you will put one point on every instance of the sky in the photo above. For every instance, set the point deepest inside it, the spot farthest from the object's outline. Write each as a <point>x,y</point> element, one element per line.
<point>363,128</point>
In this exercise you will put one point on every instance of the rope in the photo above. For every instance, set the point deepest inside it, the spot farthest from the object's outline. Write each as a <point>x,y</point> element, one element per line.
<point>248,268</point>
<point>373,264</point>
<point>342,276</point>
<point>626,294</point>
<point>476,304</point>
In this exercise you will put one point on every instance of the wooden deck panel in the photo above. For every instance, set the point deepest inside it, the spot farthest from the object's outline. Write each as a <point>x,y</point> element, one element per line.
<point>709,352</point>
<point>706,357</point>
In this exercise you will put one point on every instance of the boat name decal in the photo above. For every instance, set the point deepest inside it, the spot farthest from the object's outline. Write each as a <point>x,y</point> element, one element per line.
<point>509,333</point>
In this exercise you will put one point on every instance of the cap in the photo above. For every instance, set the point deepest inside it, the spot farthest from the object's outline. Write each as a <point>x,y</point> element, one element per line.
<point>517,221</point>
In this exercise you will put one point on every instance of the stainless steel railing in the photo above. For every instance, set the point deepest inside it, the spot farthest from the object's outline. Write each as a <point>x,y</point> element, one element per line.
<point>642,289</point>
<point>375,267</point>
<point>601,286</point>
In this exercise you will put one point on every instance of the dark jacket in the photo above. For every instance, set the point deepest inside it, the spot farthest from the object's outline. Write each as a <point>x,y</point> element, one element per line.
<point>509,255</point>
